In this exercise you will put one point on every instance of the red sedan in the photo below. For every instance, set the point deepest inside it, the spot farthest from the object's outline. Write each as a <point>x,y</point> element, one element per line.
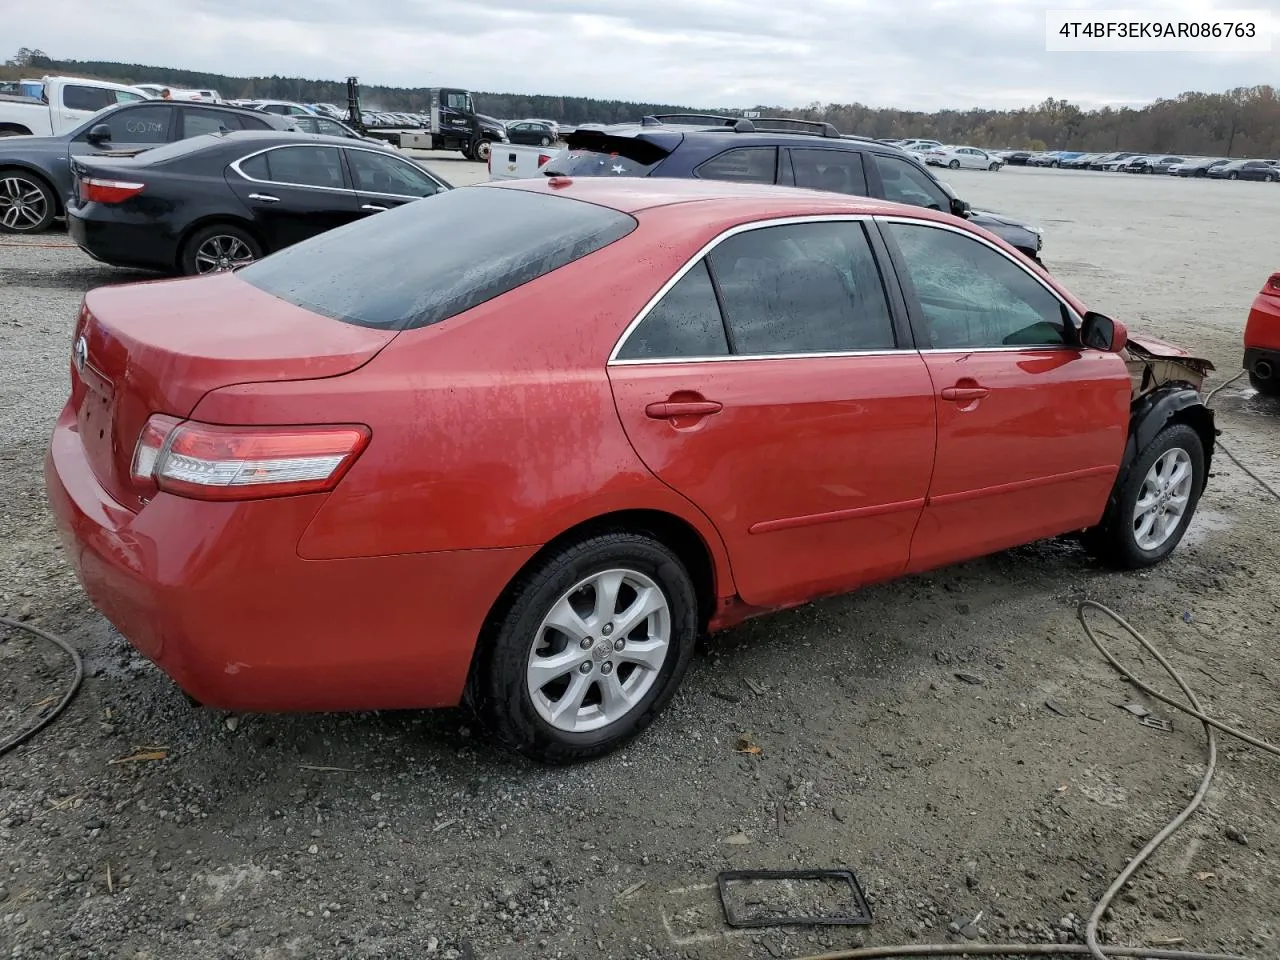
<point>1262,339</point>
<point>522,444</point>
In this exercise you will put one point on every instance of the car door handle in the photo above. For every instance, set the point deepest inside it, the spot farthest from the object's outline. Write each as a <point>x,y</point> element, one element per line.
<point>668,409</point>
<point>964,394</point>
<point>264,197</point>
<point>372,206</point>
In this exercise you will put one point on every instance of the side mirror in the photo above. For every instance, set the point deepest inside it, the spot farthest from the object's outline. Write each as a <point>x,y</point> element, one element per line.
<point>959,208</point>
<point>1102,333</point>
<point>99,133</point>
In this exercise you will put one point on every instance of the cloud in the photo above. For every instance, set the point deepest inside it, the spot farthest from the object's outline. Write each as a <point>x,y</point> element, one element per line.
<point>920,54</point>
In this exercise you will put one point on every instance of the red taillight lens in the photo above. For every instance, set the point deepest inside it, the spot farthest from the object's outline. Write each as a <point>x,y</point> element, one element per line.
<point>543,158</point>
<point>206,461</point>
<point>96,190</point>
<point>1272,285</point>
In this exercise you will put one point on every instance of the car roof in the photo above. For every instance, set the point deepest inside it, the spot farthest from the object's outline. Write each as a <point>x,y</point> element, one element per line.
<point>661,133</point>
<point>736,201</point>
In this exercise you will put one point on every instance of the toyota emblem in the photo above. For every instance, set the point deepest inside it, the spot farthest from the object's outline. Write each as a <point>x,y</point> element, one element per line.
<point>80,354</point>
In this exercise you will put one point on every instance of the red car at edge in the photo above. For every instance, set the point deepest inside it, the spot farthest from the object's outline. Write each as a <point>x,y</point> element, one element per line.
<point>1262,339</point>
<point>522,444</point>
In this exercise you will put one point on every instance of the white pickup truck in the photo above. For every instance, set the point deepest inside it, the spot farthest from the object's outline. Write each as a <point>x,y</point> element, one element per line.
<point>65,103</point>
<point>515,161</point>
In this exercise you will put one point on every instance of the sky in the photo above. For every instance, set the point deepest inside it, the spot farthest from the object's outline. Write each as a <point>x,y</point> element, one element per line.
<point>912,54</point>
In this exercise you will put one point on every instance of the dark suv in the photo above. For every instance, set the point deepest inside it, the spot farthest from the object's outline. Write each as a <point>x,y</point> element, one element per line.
<point>794,153</point>
<point>35,172</point>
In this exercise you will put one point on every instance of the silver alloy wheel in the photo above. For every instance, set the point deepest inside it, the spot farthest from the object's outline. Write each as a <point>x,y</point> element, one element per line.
<point>1163,499</point>
<point>23,204</point>
<point>222,252</point>
<point>599,650</point>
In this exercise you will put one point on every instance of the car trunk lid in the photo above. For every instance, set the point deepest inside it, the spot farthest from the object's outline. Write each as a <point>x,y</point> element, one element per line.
<point>157,348</point>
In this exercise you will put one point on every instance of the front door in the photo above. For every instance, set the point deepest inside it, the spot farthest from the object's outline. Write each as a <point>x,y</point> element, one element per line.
<point>383,180</point>
<point>294,192</point>
<point>800,420</point>
<point>1031,426</point>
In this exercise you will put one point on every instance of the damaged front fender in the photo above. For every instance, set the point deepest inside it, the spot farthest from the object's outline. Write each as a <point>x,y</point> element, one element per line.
<point>1154,364</point>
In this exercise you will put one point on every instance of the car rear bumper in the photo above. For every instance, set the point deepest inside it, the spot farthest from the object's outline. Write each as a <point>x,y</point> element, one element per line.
<point>217,596</point>
<point>122,244</point>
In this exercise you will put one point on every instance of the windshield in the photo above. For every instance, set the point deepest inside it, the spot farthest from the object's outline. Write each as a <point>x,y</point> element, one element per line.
<point>483,242</point>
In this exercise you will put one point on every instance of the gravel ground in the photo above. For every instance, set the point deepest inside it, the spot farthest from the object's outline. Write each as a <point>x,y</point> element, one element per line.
<point>951,737</point>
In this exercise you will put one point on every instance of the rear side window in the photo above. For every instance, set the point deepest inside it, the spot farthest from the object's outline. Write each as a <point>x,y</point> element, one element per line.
<point>839,171</point>
<point>743,165</point>
<point>427,261</point>
<point>196,122</point>
<point>306,166</point>
<point>685,323</point>
<point>76,97</point>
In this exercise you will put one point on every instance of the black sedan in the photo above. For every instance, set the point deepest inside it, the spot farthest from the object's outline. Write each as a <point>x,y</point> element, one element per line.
<point>531,132</point>
<point>1246,170</point>
<point>220,201</point>
<point>35,172</point>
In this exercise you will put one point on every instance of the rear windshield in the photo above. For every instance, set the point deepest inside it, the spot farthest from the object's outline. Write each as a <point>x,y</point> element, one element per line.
<point>593,155</point>
<point>434,258</point>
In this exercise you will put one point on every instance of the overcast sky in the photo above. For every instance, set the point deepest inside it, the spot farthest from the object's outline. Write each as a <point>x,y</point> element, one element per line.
<point>920,54</point>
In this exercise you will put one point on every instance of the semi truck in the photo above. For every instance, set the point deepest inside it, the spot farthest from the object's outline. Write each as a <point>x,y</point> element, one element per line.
<point>452,124</point>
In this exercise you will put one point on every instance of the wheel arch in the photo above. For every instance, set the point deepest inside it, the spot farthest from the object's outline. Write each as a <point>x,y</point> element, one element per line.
<point>1151,413</point>
<point>59,202</point>
<point>14,129</point>
<point>211,219</point>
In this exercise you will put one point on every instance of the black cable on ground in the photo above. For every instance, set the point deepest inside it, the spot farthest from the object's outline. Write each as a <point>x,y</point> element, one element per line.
<point>24,735</point>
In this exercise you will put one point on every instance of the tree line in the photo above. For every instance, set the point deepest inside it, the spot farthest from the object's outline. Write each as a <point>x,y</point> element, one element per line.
<point>1241,122</point>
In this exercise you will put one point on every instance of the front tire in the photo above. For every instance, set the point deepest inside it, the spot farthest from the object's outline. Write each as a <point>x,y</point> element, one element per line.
<point>954,164</point>
<point>27,203</point>
<point>1233,176</point>
<point>217,248</point>
<point>994,167</point>
<point>481,151</point>
<point>545,142</point>
<point>586,648</point>
<point>1153,508</point>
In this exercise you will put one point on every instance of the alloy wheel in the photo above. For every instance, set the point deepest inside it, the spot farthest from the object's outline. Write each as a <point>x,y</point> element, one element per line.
<point>222,252</point>
<point>23,205</point>
<point>1163,499</point>
<point>599,650</point>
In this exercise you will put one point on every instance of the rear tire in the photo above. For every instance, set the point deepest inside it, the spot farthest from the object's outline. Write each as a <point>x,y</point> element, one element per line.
<point>523,645</point>
<point>545,142</point>
<point>216,248</point>
<point>1269,387</point>
<point>1233,176</point>
<point>27,203</point>
<point>1143,526</point>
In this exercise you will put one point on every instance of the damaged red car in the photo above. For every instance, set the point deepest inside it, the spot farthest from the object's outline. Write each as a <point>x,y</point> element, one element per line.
<point>521,445</point>
<point>1262,339</point>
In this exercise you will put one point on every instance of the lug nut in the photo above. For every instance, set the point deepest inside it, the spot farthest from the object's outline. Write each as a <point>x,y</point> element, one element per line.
<point>606,668</point>
<point>585,668</point>
<point>619,644</point>
<point>607,629</point>
<point>586,643</point>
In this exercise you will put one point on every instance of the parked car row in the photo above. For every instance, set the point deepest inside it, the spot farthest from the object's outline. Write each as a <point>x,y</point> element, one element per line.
<point>1181,165</point>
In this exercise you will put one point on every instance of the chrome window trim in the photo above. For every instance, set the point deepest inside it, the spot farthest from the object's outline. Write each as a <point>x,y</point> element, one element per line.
<point>1075,317</point>
<point>235,165</point>
<point>697,257</point>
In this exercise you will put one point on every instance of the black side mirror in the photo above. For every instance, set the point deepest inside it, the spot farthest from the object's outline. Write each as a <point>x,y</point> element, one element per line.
<point>99,133</point>
<point>959,208</point>
<point>1100,332</point>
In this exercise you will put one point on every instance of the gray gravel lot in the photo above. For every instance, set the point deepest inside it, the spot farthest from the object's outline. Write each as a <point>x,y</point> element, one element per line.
<point>404,835</point>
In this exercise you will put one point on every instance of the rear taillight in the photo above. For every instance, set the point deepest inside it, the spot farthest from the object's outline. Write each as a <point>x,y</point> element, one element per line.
<point>96,190</point>
<point>543,158</point>
<point>1272,285</point>
<point>206,461</point>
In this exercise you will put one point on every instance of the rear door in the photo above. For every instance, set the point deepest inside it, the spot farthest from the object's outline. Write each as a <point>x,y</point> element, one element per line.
<point>799,418</point>
<point>383,180</point>
<point>294,192</point>
<point>1031,426</point>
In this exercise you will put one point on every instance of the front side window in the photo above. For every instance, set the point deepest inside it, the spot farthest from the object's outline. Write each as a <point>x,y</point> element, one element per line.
<point>684,324</point>
<point>379,173</point>
<point>904,182</point>
<point>742,164</point>
<point>149,124</point>
<point>839,171</point>
<point>972,296</point>
<point>802,288</point>
<point>127,96</point>
<point>329,127</point>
